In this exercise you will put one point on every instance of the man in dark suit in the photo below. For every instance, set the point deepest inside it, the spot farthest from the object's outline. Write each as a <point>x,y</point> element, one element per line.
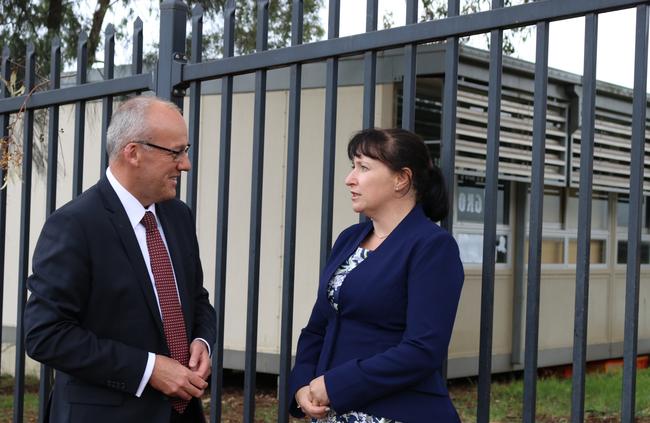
<point>117,302</point>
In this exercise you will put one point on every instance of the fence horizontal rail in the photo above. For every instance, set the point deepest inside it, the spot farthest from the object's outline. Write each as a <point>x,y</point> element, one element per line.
<point>86,92</point>
<point>437,30</point>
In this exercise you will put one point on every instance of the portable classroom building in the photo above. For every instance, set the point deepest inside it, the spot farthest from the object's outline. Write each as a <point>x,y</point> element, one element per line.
<point>609,204</point>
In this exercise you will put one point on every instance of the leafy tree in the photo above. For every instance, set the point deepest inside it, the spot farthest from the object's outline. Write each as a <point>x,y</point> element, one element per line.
<point>435,9</point>
<point>280,12</point>
<point>38,21</point>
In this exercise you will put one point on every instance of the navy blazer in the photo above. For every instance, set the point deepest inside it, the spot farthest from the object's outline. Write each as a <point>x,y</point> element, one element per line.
<point>382,352</point>
<point>92,314</point>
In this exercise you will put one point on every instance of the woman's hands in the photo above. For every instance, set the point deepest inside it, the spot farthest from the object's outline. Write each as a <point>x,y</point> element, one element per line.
<point>318,391</point>
<point>313,399</point>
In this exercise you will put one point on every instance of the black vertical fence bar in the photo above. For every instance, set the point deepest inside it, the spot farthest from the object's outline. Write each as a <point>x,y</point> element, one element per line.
<point>80,118</point>
<point>288,262</point>
<point>369,76</point>
<point>490,222</point>
<point>448,131</point>
<point>107,102</point>
<point>408,87</point>
<point>173,22</point>
<point>5,73</point>
<point>369,69</point>
<point>518,267</point>
<point>195,108</point>
<point>45,383</point>
<point>535,231</point>
<point>53,128</point>
<point>136,56</point>
<point>259,116</point>
<point>637,152</point>
<point>329,150</point>
<point>221,249</point>
<point>23,266</point>
<point>584,219</point>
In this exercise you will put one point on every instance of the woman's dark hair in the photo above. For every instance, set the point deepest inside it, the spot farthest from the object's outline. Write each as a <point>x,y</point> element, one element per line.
<point>399,149</point>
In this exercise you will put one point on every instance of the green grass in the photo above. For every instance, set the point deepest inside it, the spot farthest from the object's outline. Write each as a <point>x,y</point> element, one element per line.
<point>30,408</point>
<point>602,401</point>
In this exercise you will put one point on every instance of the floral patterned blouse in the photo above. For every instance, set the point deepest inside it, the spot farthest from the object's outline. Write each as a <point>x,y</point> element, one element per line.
<point>333,289</point>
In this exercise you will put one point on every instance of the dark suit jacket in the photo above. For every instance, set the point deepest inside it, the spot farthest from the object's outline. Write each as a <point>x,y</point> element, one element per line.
<point>382,352</point>
<point>92,314</point>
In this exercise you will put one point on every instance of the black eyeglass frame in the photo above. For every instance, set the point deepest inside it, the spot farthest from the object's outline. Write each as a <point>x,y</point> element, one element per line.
<point>176,154</point>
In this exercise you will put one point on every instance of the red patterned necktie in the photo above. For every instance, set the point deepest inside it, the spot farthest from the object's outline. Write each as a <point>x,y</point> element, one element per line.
<point>170,307</point>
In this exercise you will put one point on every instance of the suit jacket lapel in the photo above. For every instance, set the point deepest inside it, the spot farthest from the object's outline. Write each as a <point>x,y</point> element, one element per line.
<point>125,232</point>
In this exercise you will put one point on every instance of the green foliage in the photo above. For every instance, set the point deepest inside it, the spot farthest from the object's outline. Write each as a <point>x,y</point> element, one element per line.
<point>39,21</point>
<point>246,24</point>
<point>434,9</point>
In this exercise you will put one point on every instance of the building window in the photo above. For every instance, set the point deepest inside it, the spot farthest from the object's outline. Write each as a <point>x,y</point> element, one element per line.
<point>552,251</point>
<point>597,251</point>
<point>470,216</point>
<point>621,252</point>
<point>552,209</point>
<point>599,211</point>
<point>471,248</point>
<point>622,221</point>
<point>470,201</point>
<point>560,227</point>
<point>623,213</point>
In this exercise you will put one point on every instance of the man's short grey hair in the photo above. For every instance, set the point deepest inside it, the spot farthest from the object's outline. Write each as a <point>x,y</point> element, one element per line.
<point>129,123</point>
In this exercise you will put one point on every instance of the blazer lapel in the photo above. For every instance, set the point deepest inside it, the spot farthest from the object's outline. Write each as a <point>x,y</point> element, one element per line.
<point>346,252</point>
<point>403,228</point>
<point>125,232</point>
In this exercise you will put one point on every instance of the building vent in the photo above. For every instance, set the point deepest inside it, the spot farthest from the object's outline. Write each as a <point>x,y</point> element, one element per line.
<point>516,140</point>
<point>612,143</point>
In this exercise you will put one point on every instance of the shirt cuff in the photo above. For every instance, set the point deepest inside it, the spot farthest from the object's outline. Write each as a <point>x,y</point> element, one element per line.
<point>206,344</point>
<point>148,370</point>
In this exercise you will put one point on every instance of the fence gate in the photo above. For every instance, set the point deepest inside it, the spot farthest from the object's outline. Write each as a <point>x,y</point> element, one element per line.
<point>175,74</point>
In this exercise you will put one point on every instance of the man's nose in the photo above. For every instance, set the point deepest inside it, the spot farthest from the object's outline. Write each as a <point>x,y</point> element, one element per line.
<point>184,164</point>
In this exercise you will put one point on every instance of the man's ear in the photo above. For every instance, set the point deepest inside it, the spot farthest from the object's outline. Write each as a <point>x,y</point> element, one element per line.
<point>130,154</point>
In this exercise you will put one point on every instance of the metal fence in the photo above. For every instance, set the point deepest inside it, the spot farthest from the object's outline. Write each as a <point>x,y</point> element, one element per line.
<point>174,74</point>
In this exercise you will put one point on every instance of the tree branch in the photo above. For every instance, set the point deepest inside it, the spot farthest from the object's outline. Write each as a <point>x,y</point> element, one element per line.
<point>96,28</point>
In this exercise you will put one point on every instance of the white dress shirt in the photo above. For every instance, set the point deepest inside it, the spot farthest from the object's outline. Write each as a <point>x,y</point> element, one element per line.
<point>135,212</point>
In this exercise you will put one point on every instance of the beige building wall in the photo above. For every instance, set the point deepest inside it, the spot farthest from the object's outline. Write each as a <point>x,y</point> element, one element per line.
<point>607,285</point>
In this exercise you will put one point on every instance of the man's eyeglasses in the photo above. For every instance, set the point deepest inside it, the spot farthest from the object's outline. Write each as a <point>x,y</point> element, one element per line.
<point>176,154</point>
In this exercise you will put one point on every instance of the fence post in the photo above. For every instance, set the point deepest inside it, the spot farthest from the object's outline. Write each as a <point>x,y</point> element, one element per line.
<point>171,51</point>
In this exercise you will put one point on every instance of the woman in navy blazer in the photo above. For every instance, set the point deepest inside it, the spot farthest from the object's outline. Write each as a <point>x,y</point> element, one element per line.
<point>375,343</point>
